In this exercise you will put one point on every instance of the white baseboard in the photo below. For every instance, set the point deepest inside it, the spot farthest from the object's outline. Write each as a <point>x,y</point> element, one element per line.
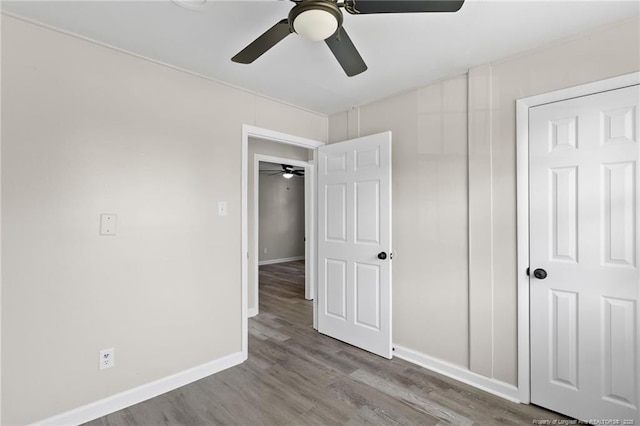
<point>252,312</point>
<point>133,396</point>
<point>487,384</point>
<point>284,259</point>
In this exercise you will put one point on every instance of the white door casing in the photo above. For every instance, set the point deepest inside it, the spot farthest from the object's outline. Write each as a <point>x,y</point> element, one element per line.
<point>584,318</point>
<point>354,226</point>
<point>249,131</point>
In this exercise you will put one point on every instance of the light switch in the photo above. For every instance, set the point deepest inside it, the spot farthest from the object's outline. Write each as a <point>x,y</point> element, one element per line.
<point>222,208</point>
<point>108,224</point>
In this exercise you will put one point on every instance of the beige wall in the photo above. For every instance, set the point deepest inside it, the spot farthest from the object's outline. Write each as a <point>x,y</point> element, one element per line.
<point>274,149</point>
<point>429,187</point>
<point>89,130</point>
<point>281,213</point>
<point>454,194</point>
<point>610,51</point>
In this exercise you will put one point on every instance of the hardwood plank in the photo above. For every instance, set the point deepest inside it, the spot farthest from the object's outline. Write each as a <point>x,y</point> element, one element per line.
<point>296,376</point>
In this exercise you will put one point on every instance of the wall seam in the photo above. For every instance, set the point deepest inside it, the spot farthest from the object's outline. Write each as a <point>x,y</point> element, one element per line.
<point>481,292</point>
<point>1,422</point>
<point>469,218</point>
<point>491,212</point>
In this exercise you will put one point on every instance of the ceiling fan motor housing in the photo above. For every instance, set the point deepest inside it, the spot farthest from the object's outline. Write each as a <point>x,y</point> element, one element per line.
<point>312,15</point>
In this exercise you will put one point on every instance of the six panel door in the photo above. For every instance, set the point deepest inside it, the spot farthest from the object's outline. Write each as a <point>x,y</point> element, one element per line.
<point>354,242</point>
<point>584,236</point>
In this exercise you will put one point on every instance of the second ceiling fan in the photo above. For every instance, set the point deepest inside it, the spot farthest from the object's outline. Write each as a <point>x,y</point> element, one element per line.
<point>287,171</point>
<point>322,20</point>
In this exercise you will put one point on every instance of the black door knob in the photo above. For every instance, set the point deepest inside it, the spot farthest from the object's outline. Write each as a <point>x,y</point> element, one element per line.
<point>382,255</point>
<point>540,274</point>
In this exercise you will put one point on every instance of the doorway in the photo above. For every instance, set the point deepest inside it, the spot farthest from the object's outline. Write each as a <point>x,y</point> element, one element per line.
<point>281,219</point>
<point>354,183</point>
<point>577,232</point>
<point>249,132</point>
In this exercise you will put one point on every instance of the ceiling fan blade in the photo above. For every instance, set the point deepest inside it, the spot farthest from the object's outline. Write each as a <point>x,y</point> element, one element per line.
<point>298,172</point>
<point>346,53</point>
<point>266,41</point>
<point>402,6</point>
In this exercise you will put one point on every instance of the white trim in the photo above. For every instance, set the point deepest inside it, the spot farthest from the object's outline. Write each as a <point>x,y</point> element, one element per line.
<point>522,250</point>
<point>252,312</point>
<point>493,386</point>
<point>283,260</point>
<point>309,231</point>
<point>274,136</point>
<point>522,194</point>
<point>311,265</point>
<point>244,242</point>
<point>147,391</point>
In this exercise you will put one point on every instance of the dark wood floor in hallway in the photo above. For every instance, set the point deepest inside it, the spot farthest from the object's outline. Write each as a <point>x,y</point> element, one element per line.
<point>296,376</point>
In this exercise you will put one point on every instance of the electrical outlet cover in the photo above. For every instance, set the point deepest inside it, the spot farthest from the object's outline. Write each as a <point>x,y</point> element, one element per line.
<point>107,358</point>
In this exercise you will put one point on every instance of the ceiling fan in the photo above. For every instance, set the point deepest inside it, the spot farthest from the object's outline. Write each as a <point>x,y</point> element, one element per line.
<point>287,172</point>
<point>322,20</point>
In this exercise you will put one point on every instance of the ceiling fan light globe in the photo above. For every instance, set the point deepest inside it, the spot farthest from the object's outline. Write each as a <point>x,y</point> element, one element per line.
<point>315,24</point>
<point>287,175</point>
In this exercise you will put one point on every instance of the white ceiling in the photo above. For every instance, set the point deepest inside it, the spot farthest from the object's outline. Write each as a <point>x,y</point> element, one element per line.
<point>403,51</point>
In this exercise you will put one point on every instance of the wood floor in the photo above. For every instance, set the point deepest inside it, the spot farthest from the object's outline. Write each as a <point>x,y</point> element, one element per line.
<point>296,376</point>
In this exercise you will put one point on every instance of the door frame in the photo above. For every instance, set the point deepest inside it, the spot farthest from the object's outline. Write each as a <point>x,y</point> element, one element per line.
<point>309,201</point>
<point>522,206</point>
<point>249,131</point>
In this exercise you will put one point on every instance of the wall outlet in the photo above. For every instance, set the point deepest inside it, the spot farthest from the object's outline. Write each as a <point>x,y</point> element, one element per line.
<point>107,358</point>
<point>264,250</point>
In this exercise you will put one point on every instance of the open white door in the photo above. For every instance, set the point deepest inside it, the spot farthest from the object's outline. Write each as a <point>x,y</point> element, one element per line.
<point>585,285</point>
<point>354,242</point>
